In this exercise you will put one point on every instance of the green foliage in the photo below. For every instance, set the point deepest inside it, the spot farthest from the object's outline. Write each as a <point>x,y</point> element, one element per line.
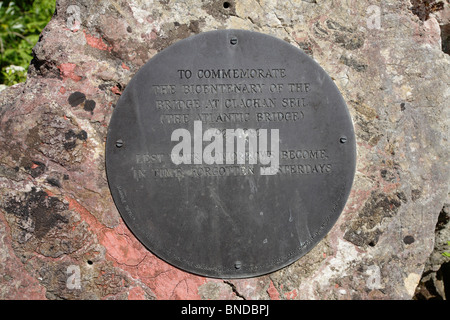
<point>21,23</point>
<point>446,254</point>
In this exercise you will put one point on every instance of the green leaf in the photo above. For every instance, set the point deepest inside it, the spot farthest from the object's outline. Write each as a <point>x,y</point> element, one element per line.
<point>21,23</point>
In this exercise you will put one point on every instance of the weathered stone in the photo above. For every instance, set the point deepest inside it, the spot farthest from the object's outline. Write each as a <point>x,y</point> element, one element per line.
<point>434,284</point>
<point>58,222</point>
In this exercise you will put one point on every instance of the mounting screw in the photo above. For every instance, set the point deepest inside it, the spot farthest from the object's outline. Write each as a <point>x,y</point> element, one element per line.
<point>233,41</point>
<point>238,264</point>
<point>119,143</point>
<point>343,139</point>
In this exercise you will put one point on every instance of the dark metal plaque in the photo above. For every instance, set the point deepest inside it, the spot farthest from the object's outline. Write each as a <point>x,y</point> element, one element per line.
<point>230,154</point>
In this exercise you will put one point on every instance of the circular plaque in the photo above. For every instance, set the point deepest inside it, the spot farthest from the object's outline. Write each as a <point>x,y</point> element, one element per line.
<point>230,154</point>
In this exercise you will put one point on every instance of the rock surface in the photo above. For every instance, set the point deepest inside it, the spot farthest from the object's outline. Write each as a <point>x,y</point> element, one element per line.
<point>61,236</point>
<point>435,281</point>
